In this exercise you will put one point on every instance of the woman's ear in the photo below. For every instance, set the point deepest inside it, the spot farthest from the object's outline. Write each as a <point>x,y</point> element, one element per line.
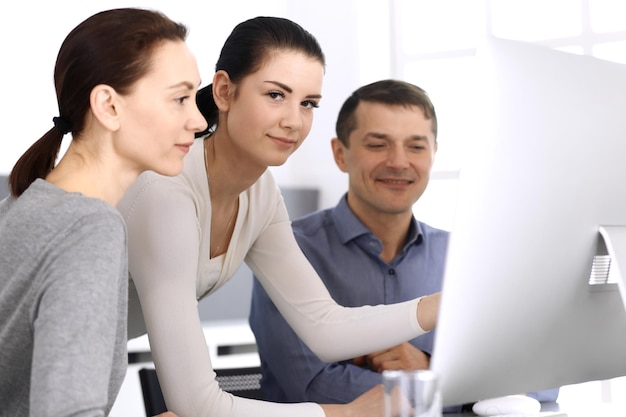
<point>223,90</point>
<point>103,106</point>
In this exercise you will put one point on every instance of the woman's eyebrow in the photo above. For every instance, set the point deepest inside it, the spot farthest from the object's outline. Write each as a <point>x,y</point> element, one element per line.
<point>186,84</point>
<point>289,89</point>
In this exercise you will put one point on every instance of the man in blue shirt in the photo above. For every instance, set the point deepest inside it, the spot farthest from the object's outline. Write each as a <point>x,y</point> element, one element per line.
<point>369,249</point>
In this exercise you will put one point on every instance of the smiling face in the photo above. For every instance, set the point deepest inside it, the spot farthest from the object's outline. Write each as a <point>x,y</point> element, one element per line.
<point>391,153</point>
<point>270,111</point>
<point>159,118</point>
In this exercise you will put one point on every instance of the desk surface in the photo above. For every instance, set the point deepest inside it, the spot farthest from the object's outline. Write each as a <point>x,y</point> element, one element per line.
<point>588,409</point>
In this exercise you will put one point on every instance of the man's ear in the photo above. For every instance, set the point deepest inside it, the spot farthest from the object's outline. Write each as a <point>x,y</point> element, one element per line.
<point>339,153</point>
<point>103,106</point>
<point>223,90</point>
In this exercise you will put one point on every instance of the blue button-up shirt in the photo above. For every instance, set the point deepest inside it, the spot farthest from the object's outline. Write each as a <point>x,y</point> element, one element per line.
<point>346,256</point>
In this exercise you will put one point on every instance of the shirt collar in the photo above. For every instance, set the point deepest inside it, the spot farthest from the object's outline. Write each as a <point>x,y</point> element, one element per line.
<point>349,227</point>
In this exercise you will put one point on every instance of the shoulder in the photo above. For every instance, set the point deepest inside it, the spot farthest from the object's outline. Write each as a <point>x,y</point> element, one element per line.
<point>312,223</point>
<point>265,189</point>
<point>433,233</point>
<point>264,201</point>
<point>46,204</point>
<point>87,219</point>
<point>154,193</point>
<point>152,189</point>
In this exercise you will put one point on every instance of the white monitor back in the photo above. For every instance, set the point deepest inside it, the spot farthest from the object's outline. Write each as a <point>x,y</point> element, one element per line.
<point>547,167</point>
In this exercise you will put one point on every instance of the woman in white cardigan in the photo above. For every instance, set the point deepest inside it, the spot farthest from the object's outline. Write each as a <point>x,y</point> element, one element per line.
<point>189,234</point>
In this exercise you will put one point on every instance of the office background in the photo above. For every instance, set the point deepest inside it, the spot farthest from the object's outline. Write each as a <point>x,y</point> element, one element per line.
<point>428,42</point>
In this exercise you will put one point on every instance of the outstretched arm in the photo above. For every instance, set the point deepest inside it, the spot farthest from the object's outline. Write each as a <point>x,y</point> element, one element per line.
<point>304,301</point>
<point>292,372</point>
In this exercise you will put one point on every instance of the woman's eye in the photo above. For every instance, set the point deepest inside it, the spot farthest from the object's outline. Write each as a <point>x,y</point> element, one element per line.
<point>310,104</point>
<point>181,100</point>
<point>275,95</point>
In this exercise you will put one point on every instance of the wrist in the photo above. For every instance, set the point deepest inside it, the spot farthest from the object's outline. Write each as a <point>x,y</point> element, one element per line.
<point>337,410</point>
<point>427,309</point>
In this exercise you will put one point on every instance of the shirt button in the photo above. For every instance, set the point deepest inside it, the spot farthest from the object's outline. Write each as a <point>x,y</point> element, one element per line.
<point>392,271</point>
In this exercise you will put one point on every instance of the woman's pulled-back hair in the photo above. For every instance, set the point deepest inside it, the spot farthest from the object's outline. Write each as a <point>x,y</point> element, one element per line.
<point>388,92</point>
<point>112,47</point>
<point>247,49</point>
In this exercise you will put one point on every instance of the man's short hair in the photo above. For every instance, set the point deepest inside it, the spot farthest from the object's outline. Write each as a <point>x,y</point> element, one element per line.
<point>390,92</point>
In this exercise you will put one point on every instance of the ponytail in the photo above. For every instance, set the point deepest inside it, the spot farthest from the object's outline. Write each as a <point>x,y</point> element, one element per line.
<point>113,47</point>
<point>36,162</point>
<point>208,108</point>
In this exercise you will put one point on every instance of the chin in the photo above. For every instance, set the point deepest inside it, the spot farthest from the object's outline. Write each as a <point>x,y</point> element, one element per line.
<point>170,171</point>
<point>278,161</point>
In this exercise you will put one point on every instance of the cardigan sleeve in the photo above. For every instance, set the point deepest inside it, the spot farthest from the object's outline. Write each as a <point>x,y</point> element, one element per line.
<point>164,241</point>
<point>331,331</point>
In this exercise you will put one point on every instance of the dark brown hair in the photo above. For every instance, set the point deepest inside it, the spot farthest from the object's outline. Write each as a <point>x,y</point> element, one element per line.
<point>391,92</point>
<point>248,47</point>
<point>113,47</point>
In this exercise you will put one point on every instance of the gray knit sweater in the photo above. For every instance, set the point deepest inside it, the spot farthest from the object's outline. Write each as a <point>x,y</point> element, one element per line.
<point>63,301</point>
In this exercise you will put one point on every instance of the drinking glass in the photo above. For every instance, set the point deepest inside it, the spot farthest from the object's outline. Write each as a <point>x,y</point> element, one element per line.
<point>412,394</point>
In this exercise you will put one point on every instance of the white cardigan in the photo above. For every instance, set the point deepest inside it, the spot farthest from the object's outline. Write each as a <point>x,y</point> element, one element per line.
<point>169,220</point>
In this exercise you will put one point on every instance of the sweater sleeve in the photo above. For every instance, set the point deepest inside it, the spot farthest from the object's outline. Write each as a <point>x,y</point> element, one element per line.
<point>164,241</point>
<point>331,331</point>
<point>75,319</point>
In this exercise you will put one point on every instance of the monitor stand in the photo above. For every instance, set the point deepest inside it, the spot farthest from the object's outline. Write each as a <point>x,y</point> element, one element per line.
<point>614,238</point>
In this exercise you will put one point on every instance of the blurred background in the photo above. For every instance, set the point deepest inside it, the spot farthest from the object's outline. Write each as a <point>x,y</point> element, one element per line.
<point>431,43</point>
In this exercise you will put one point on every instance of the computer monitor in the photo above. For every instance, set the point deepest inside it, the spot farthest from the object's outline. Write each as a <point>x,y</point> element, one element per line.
<point>545,172</point>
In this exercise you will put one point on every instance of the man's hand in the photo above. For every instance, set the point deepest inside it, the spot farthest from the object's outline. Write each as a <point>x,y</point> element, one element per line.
<point>404,356</point>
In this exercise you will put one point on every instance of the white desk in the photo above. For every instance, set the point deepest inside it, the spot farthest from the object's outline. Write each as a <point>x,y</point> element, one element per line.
<point>229,347</point>
<point>589,399</point>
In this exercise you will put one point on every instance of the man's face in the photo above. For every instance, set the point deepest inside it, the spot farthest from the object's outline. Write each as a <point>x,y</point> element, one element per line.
<point>391,153</point>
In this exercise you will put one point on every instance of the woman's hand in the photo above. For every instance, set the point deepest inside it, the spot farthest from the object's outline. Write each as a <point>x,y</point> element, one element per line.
<point>369,404</point>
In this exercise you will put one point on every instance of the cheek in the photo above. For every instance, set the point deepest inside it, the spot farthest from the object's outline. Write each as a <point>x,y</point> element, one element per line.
<point>146,111</point>
<point>426,163</point>
<point>307,123</point>
<point>361,168</point>
<point>245,118</point>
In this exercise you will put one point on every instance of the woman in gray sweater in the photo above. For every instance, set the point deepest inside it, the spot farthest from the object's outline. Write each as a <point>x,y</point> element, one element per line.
<point>126,84</point>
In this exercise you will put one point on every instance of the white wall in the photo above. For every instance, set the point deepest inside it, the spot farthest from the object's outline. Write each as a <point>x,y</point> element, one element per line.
<point>32,31</point>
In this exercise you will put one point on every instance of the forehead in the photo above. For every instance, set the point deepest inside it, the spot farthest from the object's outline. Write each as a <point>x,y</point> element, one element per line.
<point>294,66</point>
<point>171,63</point>
<point>393,118</point>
